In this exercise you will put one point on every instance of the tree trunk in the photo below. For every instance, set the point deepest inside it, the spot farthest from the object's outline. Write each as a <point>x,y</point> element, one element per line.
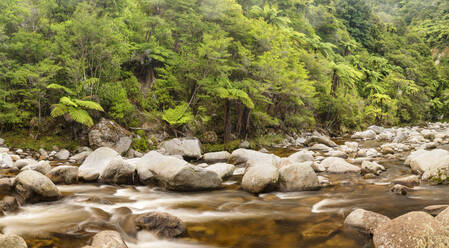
<point>240,109</point>
<point>227,122</point>
<point>245,124</point>
<point>334,83</point>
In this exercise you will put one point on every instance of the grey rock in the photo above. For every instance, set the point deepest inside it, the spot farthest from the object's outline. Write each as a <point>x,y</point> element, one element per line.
<point>339,165</point>
<point>186,147</point>
<point>80,157</point>
<point>108,133</point>
<point>5,161</point>
<point>24,162</point>
<point>42,166</point>
<point>365,221</point>
<point>260,176</point>
<point>411,230</point>
<point>301,156</point>
<point>223,170</point>
<point>366,135</point>
<point>12,241</point>
<point>96,162</point>
<point>32,186</point>
<point>320,147</point>
<point>162,224</point>
<point>9,203</point>
<point>216,157</point>
<point>240,157</point>
<point>64,175</point>
<point>372,167</point>
<point>298,177</point>
<point>5,186</point>
<point>118,171</point>
<point>108,239</point>
<point>320,139</point>
<point>63,154</point>
<point>400,189</point>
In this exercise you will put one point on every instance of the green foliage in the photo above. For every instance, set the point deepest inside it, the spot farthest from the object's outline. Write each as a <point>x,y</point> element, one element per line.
<point>140,144</point>
<point>178,115</point>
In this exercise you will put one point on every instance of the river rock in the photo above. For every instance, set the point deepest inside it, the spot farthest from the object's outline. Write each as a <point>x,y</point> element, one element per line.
<point>5,186</point>
<point>338,165</point>
<point>32,186</point>
<point>260,176</point>
<point>24,162</point>
<point>118,171</point>
<point>320,139</point>
<point>216,157</point>
<point>108,133</point>
<point>411,230</point>
<point>162,224</point>
<point>186,147</point>
<point>63,154</point>
<point>298,177</point>
<point>301,156</point>
<point>366,135</point>
<point>223,170</point>
<point>435,210</point>
<point>336,153</point>
<point>430,163</point>
<point>12,241</point>
<point>108,239</point>
<point>372,167</point>
<point>443,217</point>
<point>43,167</point>
<point>400,189</point>
<point>5,161</point>
<point>9,203</point>
<point>409,181</point>
<point>320,147</point>
<point>240,157</point>
<point>80,157</point>
<point>177,174</point>
<point>96,162</point>
<point>400,137</point>
<point>64,174</point>
<point>393,148</point>
<point>365,221</point>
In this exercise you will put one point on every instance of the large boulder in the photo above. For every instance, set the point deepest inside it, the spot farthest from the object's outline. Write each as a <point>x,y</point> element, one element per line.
<point>216,157</point>
<point>96,162</point>
<point>443,217</point>
<point>365,221</point>
<point>107,133</point>
<point>338,165</point>
<point>25,162</point>
<point>298,177</point>
<point>12,241</point>
<point>186,147</point>
<point>5,161</point>
<point>411,230</point>
<point>32,186</point>
<point>176,174</point>
<point>240,157</point>
<point>64,174</point>
<point>261,176</point>
<point>108,239</point>
<point>80,157</point>
<point>162,224</point>
<point>422,161</point>
<point>118,171</point>
<point>223,170</point>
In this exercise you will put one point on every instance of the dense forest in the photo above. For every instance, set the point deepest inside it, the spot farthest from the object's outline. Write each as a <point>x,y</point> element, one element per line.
<point>240,68</point>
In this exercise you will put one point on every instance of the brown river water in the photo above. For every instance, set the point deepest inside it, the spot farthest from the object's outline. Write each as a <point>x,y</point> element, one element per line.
<point>228,217</point>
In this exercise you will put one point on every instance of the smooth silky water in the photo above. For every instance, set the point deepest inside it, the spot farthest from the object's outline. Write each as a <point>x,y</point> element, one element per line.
<point>228,217</point>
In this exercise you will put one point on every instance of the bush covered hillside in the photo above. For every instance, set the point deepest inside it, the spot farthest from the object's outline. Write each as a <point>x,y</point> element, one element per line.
<point>240,68</point>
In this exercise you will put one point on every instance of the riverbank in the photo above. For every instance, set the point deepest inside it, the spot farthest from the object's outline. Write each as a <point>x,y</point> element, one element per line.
<point>295,195</point>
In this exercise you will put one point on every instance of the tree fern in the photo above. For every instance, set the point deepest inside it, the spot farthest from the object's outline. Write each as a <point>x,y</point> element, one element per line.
<point>81,116</point>
<point>60,87</point>
<point>88,105</point>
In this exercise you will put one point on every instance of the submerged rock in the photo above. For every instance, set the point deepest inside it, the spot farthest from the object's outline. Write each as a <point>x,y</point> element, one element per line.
<point>12,241</point>
<point>32,187</point>
<point>409,181</point>
<point>365,221</point>
<point>96,162</point>
<point>64,174</point>
<point>411,230</point>
<point>162,224</point>
<point>400,189</point>
<point>298,177</point>
<point>186,147</point>
<point>108,239</point>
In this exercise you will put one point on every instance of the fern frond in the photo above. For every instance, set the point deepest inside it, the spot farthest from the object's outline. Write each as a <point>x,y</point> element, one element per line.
<point>60,87</point>
<point>58,110</point>
<point>81,116</point>
<point>67,101</point>
<point>88,105</point>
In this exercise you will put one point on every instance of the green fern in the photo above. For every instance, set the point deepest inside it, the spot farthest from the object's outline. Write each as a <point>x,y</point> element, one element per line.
<point>60,87</point>
<point>88,105</point>
<point>179,115</point>
<point>81,116</point>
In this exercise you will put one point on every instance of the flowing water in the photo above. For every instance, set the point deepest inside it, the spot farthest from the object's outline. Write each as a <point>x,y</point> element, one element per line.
<point>228,217</point>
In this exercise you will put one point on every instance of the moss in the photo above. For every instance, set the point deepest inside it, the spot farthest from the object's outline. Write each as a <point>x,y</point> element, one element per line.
<point>25,141</point>
<point>140,144</point>
<point>231,146</point>
<point>266,141</point>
